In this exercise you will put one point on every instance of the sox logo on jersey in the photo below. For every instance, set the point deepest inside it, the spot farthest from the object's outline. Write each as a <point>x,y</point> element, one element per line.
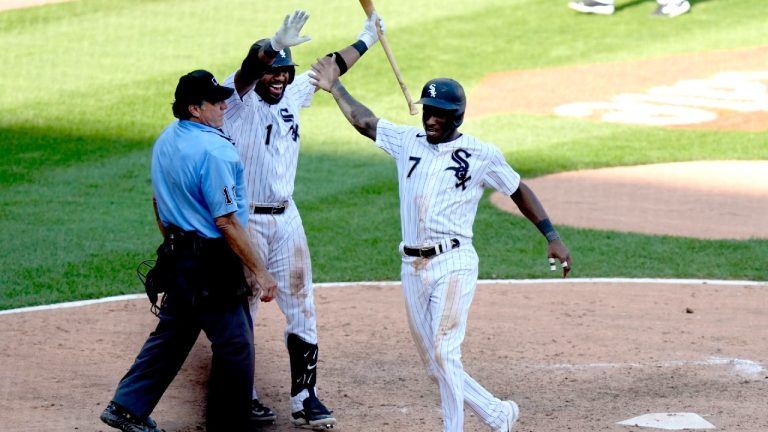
<point>289,118</point>
<point>461,169</point>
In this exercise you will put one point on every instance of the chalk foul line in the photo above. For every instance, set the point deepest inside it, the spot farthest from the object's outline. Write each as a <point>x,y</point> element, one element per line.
<point>324,285</point>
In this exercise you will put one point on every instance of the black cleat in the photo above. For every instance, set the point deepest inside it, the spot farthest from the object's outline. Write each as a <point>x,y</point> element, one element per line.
<point>314,415</point>
<point>261,414</point>
<point>118,418</point>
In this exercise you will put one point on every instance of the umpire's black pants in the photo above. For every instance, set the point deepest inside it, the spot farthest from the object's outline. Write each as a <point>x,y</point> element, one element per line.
<point>229,327</point>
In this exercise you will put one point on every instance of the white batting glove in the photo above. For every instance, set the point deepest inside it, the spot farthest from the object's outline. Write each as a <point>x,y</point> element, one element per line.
<point>369,35</point>
<point>288,34</point>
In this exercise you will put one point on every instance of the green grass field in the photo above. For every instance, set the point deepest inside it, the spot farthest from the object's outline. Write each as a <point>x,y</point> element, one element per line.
<point>86,86</point>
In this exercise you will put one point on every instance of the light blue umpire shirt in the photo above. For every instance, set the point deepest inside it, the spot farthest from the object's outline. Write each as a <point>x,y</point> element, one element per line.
<point>197,176</point>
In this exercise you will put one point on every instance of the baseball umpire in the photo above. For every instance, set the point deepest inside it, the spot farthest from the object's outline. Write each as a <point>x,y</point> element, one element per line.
<point>199,190</point>
<point>263,119</point>
<point>442,174</point>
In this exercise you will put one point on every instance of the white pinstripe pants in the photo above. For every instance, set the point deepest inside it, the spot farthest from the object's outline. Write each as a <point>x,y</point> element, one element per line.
<point>438,293</point>
<point>282,243</point>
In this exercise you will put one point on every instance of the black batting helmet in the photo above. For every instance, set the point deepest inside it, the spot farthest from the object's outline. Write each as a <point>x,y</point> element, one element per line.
<point>283,59</point>
<point>446,94</point>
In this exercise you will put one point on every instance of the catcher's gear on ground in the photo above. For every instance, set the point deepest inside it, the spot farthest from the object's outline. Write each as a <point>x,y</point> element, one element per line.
<point>146,274</point>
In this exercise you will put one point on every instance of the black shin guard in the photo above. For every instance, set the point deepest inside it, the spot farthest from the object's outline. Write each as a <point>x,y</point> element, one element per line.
<point>303,365</point>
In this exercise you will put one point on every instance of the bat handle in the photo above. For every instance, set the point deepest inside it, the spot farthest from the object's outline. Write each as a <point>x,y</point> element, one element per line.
<point>367,7</point>
<point>392,62</point>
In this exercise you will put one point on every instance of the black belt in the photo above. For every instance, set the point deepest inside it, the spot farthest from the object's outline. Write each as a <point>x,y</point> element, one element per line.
<point>430,251</point>
<point>180,243</point>
<point>269,210</point>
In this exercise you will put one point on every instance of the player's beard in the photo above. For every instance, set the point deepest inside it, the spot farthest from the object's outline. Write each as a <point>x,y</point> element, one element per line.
<point>267,94</point>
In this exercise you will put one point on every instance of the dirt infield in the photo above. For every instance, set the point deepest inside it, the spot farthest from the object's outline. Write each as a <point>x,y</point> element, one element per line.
<point>575,356</point>
<point>707,199</point>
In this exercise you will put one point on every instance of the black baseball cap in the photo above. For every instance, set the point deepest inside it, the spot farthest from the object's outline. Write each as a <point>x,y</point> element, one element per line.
<point>201,85</point>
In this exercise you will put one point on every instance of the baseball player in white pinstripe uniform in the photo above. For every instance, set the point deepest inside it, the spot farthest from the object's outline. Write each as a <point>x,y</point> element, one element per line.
<point>442,174</point>
<point>263,120</point>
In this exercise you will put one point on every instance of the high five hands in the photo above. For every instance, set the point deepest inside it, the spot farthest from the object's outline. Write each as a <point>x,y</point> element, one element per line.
<point>288,34</point>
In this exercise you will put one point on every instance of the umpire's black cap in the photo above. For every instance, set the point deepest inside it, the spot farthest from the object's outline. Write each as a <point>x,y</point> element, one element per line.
<point>201,85</point>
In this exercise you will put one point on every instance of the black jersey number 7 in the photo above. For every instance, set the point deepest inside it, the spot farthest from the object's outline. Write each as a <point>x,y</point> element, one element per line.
<point>416,161</point>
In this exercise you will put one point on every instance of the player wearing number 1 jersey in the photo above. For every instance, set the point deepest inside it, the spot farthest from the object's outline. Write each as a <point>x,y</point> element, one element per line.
<point>442,174</point>
<point>263,120</point>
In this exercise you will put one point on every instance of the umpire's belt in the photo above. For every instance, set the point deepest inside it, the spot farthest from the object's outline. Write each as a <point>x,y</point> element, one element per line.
<point>430,251</point>
<point>273,210</point>
<point>180,243</point>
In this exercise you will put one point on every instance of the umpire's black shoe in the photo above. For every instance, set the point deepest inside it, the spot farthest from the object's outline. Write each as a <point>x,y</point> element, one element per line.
<point>118,418</point>
<point>314,415</point>
<point>261,414</point>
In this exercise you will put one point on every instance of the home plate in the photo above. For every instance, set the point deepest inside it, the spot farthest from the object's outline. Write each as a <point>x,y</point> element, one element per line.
<point>669,421</point>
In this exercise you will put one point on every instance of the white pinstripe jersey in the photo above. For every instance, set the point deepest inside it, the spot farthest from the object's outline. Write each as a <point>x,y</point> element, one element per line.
<point>441,184</point>
<point>267,138</point>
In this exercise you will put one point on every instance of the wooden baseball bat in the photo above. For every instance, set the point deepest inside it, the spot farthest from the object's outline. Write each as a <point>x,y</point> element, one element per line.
<point>368,8</point>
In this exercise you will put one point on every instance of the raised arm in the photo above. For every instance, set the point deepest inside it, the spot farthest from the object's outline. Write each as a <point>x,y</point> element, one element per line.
<point>263,52</point>
<point>531,208</point>
<point>347,57</point>
<point>325,75</point>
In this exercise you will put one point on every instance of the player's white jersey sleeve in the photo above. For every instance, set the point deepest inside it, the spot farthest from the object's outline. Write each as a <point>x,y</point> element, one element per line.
<point>301,91</point>
<point>500,175</point>
<point>390,137</point>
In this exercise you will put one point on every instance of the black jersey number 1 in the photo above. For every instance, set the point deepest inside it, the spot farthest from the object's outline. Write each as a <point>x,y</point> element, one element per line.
<point>269,134</point>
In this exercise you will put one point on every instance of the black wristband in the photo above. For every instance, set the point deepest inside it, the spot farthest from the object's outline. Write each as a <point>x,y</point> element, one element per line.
<point>546,228</point>
<point>340,62</point>
<point>360,46</point>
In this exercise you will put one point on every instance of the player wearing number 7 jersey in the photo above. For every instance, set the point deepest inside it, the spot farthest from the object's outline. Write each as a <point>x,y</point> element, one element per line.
<point>442,174</point>
<point>263,120</point>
